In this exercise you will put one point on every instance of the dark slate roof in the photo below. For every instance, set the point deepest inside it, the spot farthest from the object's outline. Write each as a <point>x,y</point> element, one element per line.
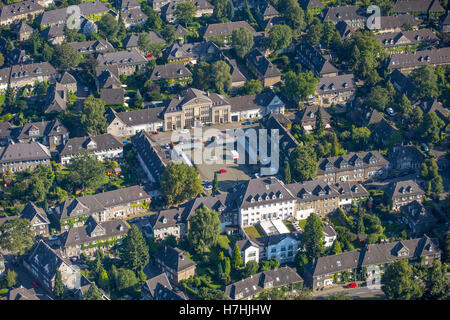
<point>31,210</point>
<point>112,95</point>
<point>6,129</point>
<point>354,189</point>
<point>236,74</point>
<point>263,191</point>
<point>222,203</point>
<point>262,64</point>
<point>335,263</point>
<point>100,201</point>
<point>56,99</point>
<point>134,16</point>
<point>187,95</point>
<point>175,259</point>
<point>32,70</point>
<point>384,130</point>
<point>94,7</point>
<point>94,46</point>
<point>344,29</point>
<point>251,102</point>
<point>24,152</point>
<point>192,50</point>
<point>411,37</point>
<point>17,56</point>
<point>108,77</point>
<point>393,22</point>
<point>138,117</point>
<point>340,83</point>
<point>268,23</point>
<point>321,63</point>
<point>404,188</point>
<point>312,190</point>
<point>309,4</point>
<point>160,289</point>
<point>93,231</point>
<point>67,78</point>
<point>127,57</point>
<point>225,28</point>
<point>287,141</point>
<point>402,83</point>
<point>21,293</point>
<point>180,31</point>
<point>254,284</point>
<point>350,161</point>
<point>409,151</point>
<point>100,142</point>
<point>45,128</point>
<point>403,6</point>
<point>168,218</point>
<point>346,13</point>
<point>309,113</point>
<point>54,31</point>
<point>19,8</point>
<point>169,71</point>
<point>420,58</point>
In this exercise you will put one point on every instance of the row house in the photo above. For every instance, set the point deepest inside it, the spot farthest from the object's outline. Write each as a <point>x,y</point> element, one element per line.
<point>105,206</point>
<point>338,89</point>
<point>58,93</point>
<point>287,142</point>
<point>103,146</point>
<point>18,157</point>
<point>354,16</point>
<point>169,75</point>
<point>418,7</point>
<point>322,198</point>
<point>159,288</point>
<point>396,23</point>
<point>224,30</point>
<point>202,7</point>
<point>248,288</point>
<point>6,133</point>
<point>406,62</point>
<point>88,11</point>
<point>404,192</point>
<point>54,34</point>
<point>354,166</point>
<point>312,59</point>
<point>404,39</point>
<point>238,79</point>
<point>22,75</point>
<point>369,262</point>
<point>264,70</point>
<point>44,263</point>
<point>38,218</point>
<point>131,12</point>
<point>27,10</point>
<point>127,62</point>
<point>92,235</point>
<point>52,134</point>
<point>283,247</point>
<point>93,46</point>
<point>193,105</point>
<point>152,157</point>
<point>128,123</point>
<point>255,106</point>
<point>206,51</point>
<point>175,264</point>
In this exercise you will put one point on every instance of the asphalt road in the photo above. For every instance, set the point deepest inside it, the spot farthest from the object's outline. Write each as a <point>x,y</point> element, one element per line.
<point>359,293</point>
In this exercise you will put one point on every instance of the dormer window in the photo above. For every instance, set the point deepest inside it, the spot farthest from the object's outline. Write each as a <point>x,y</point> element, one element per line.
<point>164,220</point>
<point>252,200</point>
<point>259,198</point>
<point>267,198</point>
<point>274,197</point>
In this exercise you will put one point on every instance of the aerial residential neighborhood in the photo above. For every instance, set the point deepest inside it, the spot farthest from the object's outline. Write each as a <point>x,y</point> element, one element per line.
<point>224,150</point>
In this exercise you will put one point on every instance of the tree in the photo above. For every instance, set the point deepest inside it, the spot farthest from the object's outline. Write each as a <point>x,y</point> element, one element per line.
<point>314,33</point>
<point>180,182</point>
<point>404,106</point>
<point>416,119</point>
<point>252,86</point>
<point>126,279</point>
<point>185,12</point>
<point>336,247</point>
<point>431,127</point>
<point>16,236</point>
<point>300,86</point>
<point>93,293</point>
<point>241,41</point>
<point>319,122</point>
<point>436,283</point>
<point>425,80</point>
<point>446,239</point>
<point>378,98</point>
<point>2,60</point>
<point>149,46</point>
<point>93,119</point>
<point>287,173</point>
<point>303,163</point>
<point>339,296</point>
<point>103,280</point>
<point>360,137</point>
<point>251,268</point>
<point>313,237</point>
<point>223,10</point>
<point>138,101</point>
<point>135,250</point>
<point>280,37</point>
<point>204,229</point>
<point>108,27</point>
<point>58,289</point>
<point>236,257</point>
<point>215,186</point>
<point>221,76</point>
<point>205,293</point>
<point>169,33</point>
<point>11,278</point>
<point>85,171</point>
<point>399,283</point>
<point>65,56</point>
<point>301,260</point>
<point>202,76</point>
<point>293,14</point>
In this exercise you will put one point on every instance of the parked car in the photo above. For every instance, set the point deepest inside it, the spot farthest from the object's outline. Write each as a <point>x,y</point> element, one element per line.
<point>246,123</point>
<point>352,285</point>
<point>207,187</point>
<point>390,111</point>
<point>425,147</point>
<point>223,170</point>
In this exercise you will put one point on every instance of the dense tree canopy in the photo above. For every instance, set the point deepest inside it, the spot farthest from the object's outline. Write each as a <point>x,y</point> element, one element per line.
<point>242,41</point>
<point>399,283</point>
<point>180,182</point>
<point>93,119</point>
<point>16,236</point>
<point>204,229</point>
<point>65,56</point>
<point>280,37</point>
<point>85,171</point>
<point>303,163</point>
<point>313,237</point>
<point>134,252</point>
<point>221,76</point>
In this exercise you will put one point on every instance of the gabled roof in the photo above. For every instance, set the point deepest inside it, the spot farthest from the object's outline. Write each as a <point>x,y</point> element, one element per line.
<point>398,21</point>
<point>405,6</point>
<point>160,289</point>
<point>251,102</point>
<point>24,152</point>
<point>420,58</point>
<point>340,83</point>
<point>112,95</point>
<point>169,71</point>
<point>94,46</point>
<point>138,117</point>
<point>345,13</point>
<point>404,188</point>
<point>262,64</point>
<point>20,8</point>
<point>127,57</point>
<point>225,28</point>
<point>99,142</point>
<point>23,27</point>
<point>175,259</point>
<point>31,211</point>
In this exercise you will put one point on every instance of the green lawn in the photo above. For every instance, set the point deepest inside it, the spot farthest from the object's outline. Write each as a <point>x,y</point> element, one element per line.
<point>224,242</point>
<point>252,232</point>
<point>289,225</point>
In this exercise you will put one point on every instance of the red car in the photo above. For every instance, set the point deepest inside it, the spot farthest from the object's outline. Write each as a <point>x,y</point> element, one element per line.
<point>223,170</point>
<point>35,284</point>
<point>352,285</point>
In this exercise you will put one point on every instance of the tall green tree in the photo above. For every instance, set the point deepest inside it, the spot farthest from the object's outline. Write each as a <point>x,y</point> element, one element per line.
<point>426,81</point>
<point>204,229</point>
<point>336,247</point>
<point>93,293</point>
<point>280,37</point>
<point>134,252</point>
<point>58,289</point>
<point>202,76</point>
<point>303,163</point>
<point>252,86</point>
<point>241,41</point>
<point>319,122</point>
<point>86,171</point>
<point>108,27</point>
<point>215,185</point>
<point>185,12</point>
<point>221,76</point>
<point>436,283</point>
<point>16,236</point>
<point>65,56</point>
<point>236,257</point>
<point>299,86</point>
<point>398,282</point>
<point>287,173</point>
<point>11,278</point>
<point>431,127</point>
<point>92,118</point>
<point>313,237</point>
<point>180,182</point>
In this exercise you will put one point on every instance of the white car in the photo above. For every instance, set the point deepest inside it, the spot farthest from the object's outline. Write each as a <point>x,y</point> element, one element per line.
<point>184,131</point>
<point>208,187</point>
<point>204,182</point>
